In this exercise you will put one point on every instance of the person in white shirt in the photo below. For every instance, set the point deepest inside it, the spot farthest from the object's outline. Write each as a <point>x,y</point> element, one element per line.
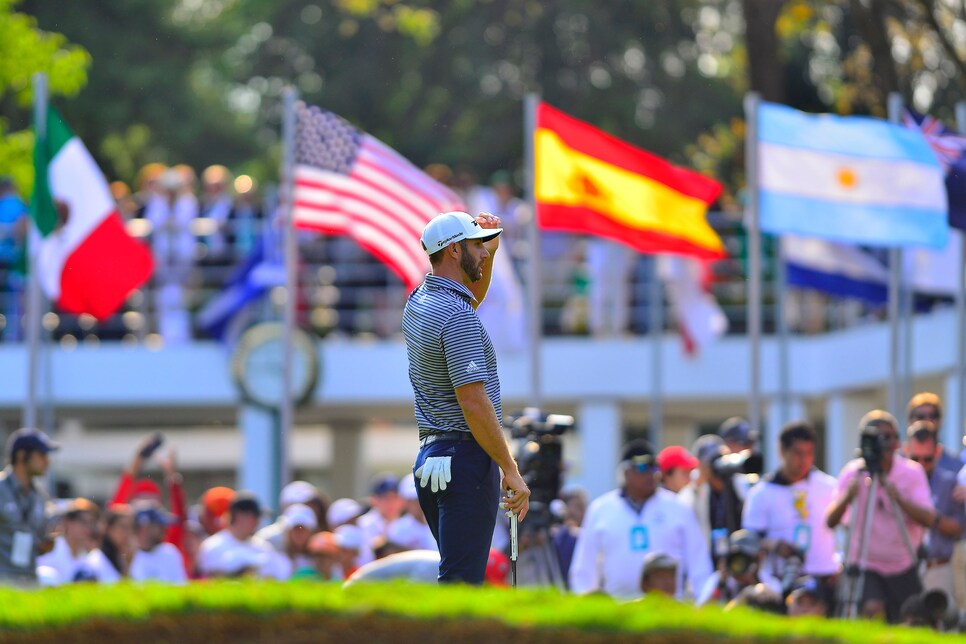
<point>296,492</point>
<point>67,562</point>
<point>410,531</point>
<point>387,506</point>
<point>111,562</point>
<point>624,525</point>
<point>236,551</point>
<point>155,559</point>
<point>787,509</point>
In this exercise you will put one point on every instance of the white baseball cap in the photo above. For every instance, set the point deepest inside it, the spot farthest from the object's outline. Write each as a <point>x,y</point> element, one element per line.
<point>298,492</point>
<point>299,514</point>
<point>343,510</point>
<point>448,227</point>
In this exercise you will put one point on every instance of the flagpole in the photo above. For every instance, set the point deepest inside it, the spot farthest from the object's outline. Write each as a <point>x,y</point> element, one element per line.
<point>895,298</point>
<point>751,102</point>
<point>961,314</point>
<point>286,411</point>
<point>656,324</point>
<point>534,295</point>
<point>34,295</point>
<point>781,327</point>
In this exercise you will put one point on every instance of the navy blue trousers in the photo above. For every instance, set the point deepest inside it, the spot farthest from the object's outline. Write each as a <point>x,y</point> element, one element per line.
<point>462,517</point>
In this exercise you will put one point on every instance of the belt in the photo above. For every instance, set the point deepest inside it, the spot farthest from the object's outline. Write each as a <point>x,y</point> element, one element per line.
<point>446,436</point>
<point>936,561</point>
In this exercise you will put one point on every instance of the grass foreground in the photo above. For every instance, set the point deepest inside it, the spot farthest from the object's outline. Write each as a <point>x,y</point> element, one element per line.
<point>397,612</point>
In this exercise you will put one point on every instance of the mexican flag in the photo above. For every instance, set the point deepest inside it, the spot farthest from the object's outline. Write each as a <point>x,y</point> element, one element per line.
<point>87,262</point>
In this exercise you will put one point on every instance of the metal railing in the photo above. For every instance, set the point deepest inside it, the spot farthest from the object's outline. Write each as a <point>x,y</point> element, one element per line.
<point>344,292</point>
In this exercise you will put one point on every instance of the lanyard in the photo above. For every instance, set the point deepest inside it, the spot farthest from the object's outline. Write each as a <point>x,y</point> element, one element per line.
<point>25,510</point>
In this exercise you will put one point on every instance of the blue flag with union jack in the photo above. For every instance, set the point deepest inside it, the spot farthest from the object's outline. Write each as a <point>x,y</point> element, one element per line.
<point>950,149</point>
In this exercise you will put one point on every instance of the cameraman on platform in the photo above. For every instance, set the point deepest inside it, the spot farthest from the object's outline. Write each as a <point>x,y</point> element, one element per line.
<point>718,494</point>
<point>624,525</point>
<point>787,509</point>
<point>890,571</point>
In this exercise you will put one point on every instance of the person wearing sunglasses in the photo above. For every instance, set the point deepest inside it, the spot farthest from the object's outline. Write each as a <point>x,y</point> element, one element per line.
<point>624,525</point>
<point>950,522</point>
<point>929,407</point>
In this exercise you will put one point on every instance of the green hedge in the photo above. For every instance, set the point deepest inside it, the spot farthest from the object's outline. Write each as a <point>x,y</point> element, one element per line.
<point>66,609</point>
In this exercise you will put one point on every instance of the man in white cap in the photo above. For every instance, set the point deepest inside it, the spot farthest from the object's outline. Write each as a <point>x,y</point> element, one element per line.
<point>452,368</point>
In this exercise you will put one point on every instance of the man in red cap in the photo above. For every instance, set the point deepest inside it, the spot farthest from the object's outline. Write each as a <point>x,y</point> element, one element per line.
<point>676,464</point>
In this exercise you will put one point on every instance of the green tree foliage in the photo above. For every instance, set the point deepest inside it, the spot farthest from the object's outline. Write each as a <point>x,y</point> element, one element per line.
<point>24,51</point>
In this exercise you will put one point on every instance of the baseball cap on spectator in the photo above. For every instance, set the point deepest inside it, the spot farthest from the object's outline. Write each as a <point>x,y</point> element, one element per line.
<point>806,585</point>
<point>146,512</point>
<point>407,488</point>
<point>658,561</point>
<point>30,440</point>
<point>299,514</point>
<point>145,488</point>
<point>323,543</point>
<point>636,449</point>
<point>217,500</point>
<point>707,447</point>
<point>675,456</point>
<point>349,536</point>
<point>245,502</point>
<point>384,484</point>
<point>343,510</point>
<point>737,430</point>
<point>297,492</point>
<point>497,566</point>
<point>450,227</point>
<point>746,542</point>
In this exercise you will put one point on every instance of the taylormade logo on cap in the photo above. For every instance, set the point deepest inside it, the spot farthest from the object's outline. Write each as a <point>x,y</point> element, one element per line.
<point>448,227</point>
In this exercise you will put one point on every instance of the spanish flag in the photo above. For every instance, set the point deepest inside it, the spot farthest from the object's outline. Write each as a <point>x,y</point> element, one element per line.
<point>588,181</point>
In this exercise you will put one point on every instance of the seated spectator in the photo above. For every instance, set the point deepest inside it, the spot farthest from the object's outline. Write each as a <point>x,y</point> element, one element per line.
<point>741,568</point>
<point>67,562</point>
<point>659,574</point>
<point>343,511</point>
<point>300,525</point>
<point>236,551</point>
<point>352,544</point>
<point>386,506</point>
<point>214,509</point>
<point>410,531</point>
<point>325,556</point>
<point>112,561</point>
<point>296,492</point>
<point>808,597</point>
<point>759,597</point>
<point>155,559</point>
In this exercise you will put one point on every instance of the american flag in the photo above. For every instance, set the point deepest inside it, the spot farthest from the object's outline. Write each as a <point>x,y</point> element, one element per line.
<point>950,150</point>
<point>349,183</point>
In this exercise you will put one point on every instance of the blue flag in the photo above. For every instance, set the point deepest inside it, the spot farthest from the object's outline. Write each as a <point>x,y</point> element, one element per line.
<point>950,150</point>
<point>850,179</point>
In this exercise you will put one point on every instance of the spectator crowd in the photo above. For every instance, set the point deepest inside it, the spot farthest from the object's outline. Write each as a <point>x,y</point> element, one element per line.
<point>704,525</point>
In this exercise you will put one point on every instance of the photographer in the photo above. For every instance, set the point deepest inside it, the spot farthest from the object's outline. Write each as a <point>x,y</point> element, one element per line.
<point>950,522</point>
<point>740,568</point>
<point>787,508</point>
<point>718,494</point>
<point>624,525</point>
<point>902,508</point>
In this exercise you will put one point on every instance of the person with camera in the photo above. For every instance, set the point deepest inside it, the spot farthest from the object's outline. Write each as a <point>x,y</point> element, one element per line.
<point>453,372</point>
<point>927,406</point>
<point>950,522</point>
<point>787,509</point>
<point>718,494</point>
<point>739,568</point>
<point>898,516</point>
<point>624,525</point>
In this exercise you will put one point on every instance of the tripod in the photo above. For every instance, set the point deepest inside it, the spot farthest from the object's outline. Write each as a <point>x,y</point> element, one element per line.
<point>852,581</point>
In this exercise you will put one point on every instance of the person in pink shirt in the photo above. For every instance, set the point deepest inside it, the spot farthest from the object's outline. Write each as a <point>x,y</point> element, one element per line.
<point>890,570</point>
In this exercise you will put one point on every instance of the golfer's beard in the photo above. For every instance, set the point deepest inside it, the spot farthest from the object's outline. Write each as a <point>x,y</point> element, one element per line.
<point>475,271</point>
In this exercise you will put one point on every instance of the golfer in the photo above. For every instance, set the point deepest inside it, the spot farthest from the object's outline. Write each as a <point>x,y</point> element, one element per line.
<point>452,367</point>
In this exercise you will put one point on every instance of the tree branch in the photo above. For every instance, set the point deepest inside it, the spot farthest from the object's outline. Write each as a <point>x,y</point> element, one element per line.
<point>947,44</point>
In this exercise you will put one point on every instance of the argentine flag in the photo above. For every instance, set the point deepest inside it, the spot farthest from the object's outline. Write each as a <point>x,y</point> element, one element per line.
<point>849,178</point>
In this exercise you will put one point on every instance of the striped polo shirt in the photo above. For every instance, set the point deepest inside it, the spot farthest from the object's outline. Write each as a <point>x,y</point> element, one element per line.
<point>448,347</point>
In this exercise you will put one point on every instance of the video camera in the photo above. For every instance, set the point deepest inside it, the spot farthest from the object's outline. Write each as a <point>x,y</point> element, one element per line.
<point>871,448</point>
<point>747,461</point>
<point>540,459</point>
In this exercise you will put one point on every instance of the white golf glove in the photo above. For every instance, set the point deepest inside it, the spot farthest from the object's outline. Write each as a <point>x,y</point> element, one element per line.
<point>437,470</point>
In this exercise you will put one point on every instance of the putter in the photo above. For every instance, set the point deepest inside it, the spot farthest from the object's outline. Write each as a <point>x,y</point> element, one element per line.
<point>514,544</point>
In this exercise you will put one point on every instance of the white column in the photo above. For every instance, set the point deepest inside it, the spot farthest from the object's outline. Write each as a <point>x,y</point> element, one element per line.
<point>776,418</point>
<point>951,433</point>
<point>257,470</point>
<point>599,426</point>
<point>348,478</point>
<point>842,415</point>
